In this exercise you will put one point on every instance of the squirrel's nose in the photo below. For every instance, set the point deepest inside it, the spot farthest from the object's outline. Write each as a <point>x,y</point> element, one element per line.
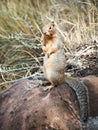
<point>45,33</point>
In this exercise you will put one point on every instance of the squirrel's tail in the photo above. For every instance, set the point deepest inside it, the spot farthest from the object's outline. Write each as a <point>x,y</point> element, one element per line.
<point>82,95</point>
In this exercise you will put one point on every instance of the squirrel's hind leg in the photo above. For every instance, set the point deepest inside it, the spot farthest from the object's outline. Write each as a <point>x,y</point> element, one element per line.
<point>49,87</point>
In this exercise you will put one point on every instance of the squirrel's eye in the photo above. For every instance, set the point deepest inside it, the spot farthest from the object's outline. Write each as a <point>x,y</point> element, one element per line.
<point>50,28</point>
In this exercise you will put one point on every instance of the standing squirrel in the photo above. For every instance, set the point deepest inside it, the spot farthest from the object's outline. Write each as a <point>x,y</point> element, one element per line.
<point>54,70</point>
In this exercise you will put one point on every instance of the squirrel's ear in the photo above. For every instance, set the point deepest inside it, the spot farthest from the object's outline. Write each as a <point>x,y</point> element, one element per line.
<point>52,23</point>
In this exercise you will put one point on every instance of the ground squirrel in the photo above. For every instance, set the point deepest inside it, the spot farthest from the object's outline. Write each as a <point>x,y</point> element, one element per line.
<point>54,69</point>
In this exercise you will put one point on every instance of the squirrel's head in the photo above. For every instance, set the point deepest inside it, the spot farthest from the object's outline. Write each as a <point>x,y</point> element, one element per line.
<point>49,29</point>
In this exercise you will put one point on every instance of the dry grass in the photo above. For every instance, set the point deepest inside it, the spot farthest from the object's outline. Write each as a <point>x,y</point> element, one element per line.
<point>20,33</point>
